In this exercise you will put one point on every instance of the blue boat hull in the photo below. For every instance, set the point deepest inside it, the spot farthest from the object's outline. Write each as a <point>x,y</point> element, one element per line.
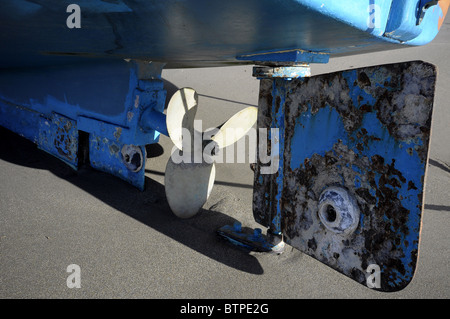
<point>204,33</point>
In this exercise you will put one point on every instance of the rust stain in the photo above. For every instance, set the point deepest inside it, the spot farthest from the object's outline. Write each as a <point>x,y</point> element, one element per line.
<point>65,140</point>
<point>387,231</point>
<point>118,133</point>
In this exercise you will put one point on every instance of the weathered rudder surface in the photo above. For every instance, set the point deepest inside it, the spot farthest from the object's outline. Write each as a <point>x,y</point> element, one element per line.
<point>366,131</point>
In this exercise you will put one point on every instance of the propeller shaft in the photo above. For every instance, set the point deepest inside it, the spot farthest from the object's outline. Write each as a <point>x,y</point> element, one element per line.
<point>154,120</point>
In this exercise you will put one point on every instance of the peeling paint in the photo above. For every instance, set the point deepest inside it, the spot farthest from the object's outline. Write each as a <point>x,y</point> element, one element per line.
<point>121,160</point>
<point>59,136</point>
<point>130,116</point>
<point>366,131</point>
<point>117,133</point>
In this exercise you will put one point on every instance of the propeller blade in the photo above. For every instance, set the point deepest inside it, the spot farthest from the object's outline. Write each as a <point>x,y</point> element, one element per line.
<point>181,112</point>
<point>236,127</point>
<point>188,186</point>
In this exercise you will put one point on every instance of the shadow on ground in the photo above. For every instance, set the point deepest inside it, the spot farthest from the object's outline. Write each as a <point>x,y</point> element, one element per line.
<point>148,207</point>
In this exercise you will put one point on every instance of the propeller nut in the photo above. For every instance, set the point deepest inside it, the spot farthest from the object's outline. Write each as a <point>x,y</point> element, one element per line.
<point>338,210</point>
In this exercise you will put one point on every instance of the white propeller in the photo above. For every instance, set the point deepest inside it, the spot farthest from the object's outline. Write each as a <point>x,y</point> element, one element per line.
<point>189,182</point>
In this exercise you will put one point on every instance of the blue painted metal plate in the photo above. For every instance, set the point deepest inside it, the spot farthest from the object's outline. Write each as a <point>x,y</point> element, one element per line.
<point>365,132</point>
<point>105,100</point>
